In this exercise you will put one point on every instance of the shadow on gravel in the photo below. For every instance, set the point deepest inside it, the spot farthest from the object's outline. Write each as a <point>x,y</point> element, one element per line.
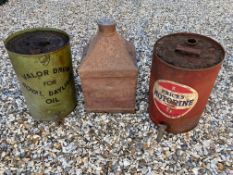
<point>3,2</point>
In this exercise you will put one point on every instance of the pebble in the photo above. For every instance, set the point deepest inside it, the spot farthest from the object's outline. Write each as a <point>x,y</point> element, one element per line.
<point>220,166</point>
<point>195,171</point>
<point>126,162</point>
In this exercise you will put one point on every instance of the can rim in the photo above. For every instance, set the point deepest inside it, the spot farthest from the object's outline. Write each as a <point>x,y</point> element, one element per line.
<point>35,29</point>
<point>189,69</point>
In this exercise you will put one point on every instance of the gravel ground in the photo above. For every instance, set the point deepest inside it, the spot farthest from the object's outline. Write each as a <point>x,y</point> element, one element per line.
<point>90,143</point>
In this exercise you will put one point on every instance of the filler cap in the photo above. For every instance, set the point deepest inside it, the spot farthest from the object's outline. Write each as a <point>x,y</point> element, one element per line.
<point>106,25</point>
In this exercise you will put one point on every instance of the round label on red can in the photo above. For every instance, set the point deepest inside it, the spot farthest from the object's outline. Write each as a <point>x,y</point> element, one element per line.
<point>172,99</point>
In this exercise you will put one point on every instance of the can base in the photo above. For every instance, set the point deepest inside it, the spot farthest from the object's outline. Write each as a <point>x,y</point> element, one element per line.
<point>57,118</point>
<point>111,110</point>
<point>176,130</point>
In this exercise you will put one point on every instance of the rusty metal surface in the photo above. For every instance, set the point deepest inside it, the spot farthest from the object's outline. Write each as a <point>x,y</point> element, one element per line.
<point>191,51</point>
<point>171,83</point>
<point>37,42</point>
<point>108,72</point>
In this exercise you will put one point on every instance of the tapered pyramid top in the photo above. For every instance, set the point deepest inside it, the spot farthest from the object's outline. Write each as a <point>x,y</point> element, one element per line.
<point>108,54</point>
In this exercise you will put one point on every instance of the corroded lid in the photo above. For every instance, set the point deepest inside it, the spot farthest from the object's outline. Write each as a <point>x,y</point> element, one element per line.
<point>189,50</point>
<point>36,41</point>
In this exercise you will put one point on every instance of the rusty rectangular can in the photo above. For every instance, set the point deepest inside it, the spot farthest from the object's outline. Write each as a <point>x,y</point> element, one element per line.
<point>41,58</point>
<point>184,69</point>
<point>108,71</point>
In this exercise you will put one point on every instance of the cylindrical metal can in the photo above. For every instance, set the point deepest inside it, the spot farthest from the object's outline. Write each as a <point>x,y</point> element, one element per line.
<point>41,58</point>
<point>184,69</point>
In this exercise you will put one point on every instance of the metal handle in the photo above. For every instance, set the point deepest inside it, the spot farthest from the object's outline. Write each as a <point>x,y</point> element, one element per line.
<point>161,131</point>
<point>188,50</point>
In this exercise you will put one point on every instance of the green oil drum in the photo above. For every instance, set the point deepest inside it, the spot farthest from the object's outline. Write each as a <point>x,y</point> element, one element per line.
<point>41,58</point>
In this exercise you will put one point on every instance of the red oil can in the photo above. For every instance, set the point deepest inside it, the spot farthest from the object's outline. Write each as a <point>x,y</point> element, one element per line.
<point>184,69</point>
